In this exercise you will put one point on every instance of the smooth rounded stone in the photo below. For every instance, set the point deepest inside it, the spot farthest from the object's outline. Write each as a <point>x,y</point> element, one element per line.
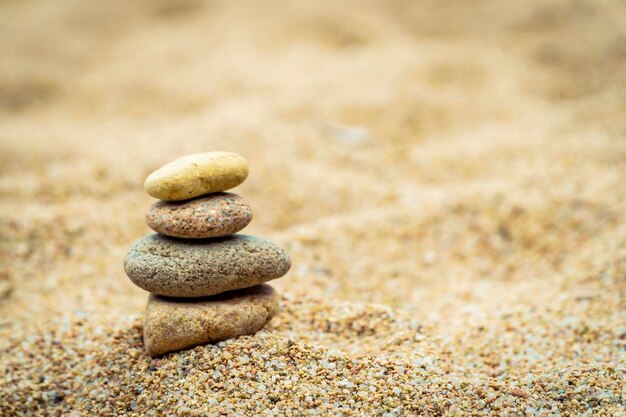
<point>201,267</point>
<point>197,174</point>
<point>175,324</point>
<point>215,215</point>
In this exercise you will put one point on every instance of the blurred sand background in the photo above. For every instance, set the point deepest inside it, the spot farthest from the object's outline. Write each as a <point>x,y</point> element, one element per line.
<point>448,177</point>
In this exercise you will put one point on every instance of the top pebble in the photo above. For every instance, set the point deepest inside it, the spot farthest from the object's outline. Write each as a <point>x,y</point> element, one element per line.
<point>195,175</point>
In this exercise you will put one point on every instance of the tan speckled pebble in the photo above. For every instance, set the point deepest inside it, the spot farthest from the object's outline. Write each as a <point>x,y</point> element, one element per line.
<point>197,174</point>
<point>172,324</point>
<point>215,215</point>
<point>202,267</point>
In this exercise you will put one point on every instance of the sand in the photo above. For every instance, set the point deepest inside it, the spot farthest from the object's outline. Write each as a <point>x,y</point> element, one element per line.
<point>448,178</point>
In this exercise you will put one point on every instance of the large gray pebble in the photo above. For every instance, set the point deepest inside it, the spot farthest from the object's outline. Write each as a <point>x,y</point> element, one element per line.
<point>198,268</point>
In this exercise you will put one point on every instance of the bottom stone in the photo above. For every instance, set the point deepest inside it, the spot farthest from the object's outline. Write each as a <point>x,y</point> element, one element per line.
<point>172,324</point>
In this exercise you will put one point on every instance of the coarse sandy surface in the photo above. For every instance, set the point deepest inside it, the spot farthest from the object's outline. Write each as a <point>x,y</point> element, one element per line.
<point>448,177</point>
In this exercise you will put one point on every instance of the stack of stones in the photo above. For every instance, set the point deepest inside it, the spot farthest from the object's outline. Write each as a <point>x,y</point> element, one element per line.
<point>206,282</point>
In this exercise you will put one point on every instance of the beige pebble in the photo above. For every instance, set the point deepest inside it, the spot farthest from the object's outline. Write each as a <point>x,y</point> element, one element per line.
<point>173,324</point>
<point>197,174</point>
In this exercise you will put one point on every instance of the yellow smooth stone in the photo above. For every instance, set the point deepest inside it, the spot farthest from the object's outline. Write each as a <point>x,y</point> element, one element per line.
<point>197,174</point>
